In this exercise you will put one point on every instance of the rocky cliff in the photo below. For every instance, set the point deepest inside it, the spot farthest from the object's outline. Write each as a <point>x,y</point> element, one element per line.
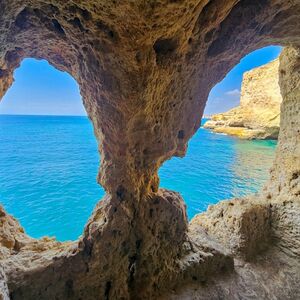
<point>145,69</point>
<point>258,115</point>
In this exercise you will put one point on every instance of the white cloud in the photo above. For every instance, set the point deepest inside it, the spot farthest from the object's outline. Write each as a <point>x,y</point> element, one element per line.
<point>233,93</point>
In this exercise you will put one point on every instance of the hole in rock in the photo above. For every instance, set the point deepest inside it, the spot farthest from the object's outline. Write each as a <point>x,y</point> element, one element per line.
<point>48,153</point>
<point>219,165</point>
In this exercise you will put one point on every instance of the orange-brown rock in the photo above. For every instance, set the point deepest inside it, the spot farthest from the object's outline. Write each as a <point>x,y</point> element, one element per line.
<point>145,69</point>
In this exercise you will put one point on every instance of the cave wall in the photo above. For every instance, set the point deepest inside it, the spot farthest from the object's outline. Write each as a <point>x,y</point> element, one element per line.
<point>284,184</point>
<point>145,70</point>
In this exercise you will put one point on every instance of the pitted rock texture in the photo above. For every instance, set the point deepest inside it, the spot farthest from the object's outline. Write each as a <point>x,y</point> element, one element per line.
<point>4,294</point>
<point>258,115</point>
<point>145,69</point>
<point>243,225</point>
<point>284,183</point>
<point>271,276</point>
<point>89,270</point>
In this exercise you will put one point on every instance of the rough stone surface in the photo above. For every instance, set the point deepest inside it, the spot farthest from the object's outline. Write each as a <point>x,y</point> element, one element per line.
<point>284,183</point>
<point>4,294</point>
<point>258,115</point>
<point>243,225</point>
<point>145,69</point>
<point>270,276</point>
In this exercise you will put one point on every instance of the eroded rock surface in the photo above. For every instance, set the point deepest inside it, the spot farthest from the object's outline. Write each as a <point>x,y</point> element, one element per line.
<point>243,225</point>
<point>258,115</point>
<point>145,69</point>
<point>4,293</point>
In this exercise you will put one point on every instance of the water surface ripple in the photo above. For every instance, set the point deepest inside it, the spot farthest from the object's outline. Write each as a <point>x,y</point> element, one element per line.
<point>48,169</point>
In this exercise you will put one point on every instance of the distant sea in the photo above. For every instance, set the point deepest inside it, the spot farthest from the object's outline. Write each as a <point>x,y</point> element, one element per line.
<point>49,164</point>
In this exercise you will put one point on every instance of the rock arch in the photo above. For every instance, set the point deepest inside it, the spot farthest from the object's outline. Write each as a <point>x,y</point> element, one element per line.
<point>145,70</point>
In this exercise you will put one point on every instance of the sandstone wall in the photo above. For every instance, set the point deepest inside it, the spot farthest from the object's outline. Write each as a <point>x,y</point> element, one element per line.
<point>258,114</point>
<point>145,69</point>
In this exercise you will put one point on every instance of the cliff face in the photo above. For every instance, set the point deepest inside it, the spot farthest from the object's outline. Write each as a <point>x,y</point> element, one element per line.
<point>258,115</point>
<point>145,69</point>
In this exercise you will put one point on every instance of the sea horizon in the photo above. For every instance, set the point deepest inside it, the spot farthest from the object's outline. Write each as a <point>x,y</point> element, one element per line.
<point>43,115</point>
<point>56,160</point>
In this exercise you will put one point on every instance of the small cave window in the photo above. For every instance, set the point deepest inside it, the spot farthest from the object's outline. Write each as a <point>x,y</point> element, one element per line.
<point>48,153</point>
<point>229,157</point>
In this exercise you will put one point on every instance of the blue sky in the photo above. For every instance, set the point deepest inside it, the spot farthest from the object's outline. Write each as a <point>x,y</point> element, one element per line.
<point>40,89</point>
<point>226,94</point>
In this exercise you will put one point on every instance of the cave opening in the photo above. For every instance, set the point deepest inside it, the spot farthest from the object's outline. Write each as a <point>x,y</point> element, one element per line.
<point>145,94</point>
<point>220,163</point>
<point>48,153</point>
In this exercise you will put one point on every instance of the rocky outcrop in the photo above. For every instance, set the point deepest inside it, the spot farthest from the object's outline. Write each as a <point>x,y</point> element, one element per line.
<point>243,225</point>
<point>145,69</point>
<point>258,115</point>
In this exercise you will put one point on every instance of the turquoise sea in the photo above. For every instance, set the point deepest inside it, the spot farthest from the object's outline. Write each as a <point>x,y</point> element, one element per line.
<point>49,164</point>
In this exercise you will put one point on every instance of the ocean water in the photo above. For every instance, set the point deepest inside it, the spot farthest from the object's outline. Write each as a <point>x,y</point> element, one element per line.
<point>49,164</point>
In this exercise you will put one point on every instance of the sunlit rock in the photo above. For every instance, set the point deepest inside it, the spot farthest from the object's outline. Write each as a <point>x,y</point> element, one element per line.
<point>258,115</point>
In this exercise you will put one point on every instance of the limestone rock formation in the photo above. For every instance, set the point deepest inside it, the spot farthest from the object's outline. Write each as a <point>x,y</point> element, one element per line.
<point>145,69</point>
<point>243,225</point>
<point>258,115</point>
